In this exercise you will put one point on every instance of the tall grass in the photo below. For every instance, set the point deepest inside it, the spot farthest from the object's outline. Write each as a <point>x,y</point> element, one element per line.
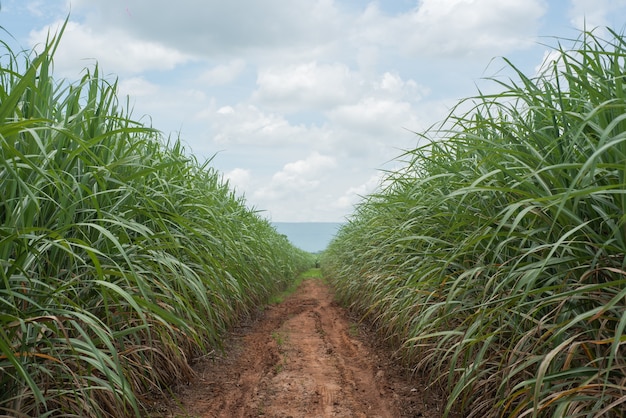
<point>121,256</point>
<point>495,259</point>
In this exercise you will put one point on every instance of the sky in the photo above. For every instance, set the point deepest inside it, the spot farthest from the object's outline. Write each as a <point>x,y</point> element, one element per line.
<point>302,105</point>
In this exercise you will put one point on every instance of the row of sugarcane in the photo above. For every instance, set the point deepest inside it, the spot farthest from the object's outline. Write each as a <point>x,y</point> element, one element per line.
<point>122,257</point>
<point>494,259</point>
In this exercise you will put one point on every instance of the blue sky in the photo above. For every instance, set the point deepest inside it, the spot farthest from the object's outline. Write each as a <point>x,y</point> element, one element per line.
<point>301,103</point>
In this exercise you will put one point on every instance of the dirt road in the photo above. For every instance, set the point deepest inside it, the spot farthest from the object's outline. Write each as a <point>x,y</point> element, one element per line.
<point>303,358</point>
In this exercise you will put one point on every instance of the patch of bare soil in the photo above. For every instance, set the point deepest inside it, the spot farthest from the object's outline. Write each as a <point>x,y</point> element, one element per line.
<point>303,358</point>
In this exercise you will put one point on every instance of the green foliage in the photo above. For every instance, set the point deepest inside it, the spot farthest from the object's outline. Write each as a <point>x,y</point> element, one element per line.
<point>312,273</point>
<point>121,257</point>
<point>496,257</point>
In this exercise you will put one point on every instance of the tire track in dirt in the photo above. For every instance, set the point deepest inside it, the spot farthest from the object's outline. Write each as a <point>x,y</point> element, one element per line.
<point>301,358</point>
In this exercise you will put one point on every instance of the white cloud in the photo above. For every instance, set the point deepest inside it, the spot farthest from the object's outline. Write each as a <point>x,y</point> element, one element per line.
<point>113,49</point>
<point>392,86</point>
<point>136,87</point>
<point>246,124</point>
<point>210,27</point>
<point>589,14</point>
<point>35,8</point>
<point>319,87</point>
<point>223,74</point>
<point>354,194</point>
<point>454,28</point>
<point>310,84</point>
<point>468,26</point>
<point>373,116</point>
<point>301,190</point>
<point>311,166</point>
<point>226,110</point>
<point>297,178</point>
<point>239,178</point>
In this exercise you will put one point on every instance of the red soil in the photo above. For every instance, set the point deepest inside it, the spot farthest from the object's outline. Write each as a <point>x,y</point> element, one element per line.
<point>303,358</point>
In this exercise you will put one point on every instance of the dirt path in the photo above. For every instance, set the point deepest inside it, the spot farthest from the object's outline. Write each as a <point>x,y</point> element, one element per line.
<point>303,358</point>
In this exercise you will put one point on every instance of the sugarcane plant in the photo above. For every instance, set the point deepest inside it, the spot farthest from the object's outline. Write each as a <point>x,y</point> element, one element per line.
<point>122,257</point>
<point>494,259</point>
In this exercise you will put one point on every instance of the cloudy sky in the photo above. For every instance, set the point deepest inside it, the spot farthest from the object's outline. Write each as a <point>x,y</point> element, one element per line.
<point>301,103</point>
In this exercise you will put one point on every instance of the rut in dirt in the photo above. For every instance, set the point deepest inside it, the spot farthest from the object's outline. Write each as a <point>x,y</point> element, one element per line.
<point>304,358</point>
